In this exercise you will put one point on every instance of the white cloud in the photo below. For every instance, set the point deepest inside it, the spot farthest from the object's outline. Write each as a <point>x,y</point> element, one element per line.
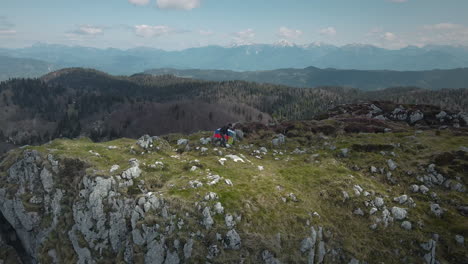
<point>178,4</point>
<point>289,33</point>
<point>443,33</point>
<point>139,2</point>
<point>244,37</point>
<point>206,32</point>
<point>329,32</point>
<point>7,32</point>
<point>88,30</point>
<point>389,36</point>
<point>443,26</point>
<point>147,31</point>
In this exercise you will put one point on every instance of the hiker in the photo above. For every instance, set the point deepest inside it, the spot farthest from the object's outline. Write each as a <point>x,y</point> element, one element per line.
<point>224,131</point>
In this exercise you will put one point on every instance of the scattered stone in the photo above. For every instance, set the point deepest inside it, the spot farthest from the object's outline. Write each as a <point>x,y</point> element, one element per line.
<point>379,201</point>
<point>401,199</point>
<point>406,225</point>
<point>228,182</point>
<point>344,152</point>
<point>222,161</point>
<point>260,168</point>
<point>279,140</point>
<point>211,196</point>
<point>182,141</point>
<point>416,116</point>
<point>423,189</point>
<point>195,184</point>
<point>205,141</point>
<point>114,168</point>
<point>391,165</point>
<point>357,190</point>
<point>219,209</point>
<point>414,188</point>
<point>460,239</point>
<point>373,169</point>
<point>358,211</point>
<point>229,219</point>
<point>235,158</point>
<point>399,213</point>
<point>134,171</point>
<point>437,210</point>
<point>214,179</point>
<point>232,240</point>
<point>145,142</point>
<point>345,196</point>
<point>207,220</point>
<point>269,258</point>
<point>373,210</point>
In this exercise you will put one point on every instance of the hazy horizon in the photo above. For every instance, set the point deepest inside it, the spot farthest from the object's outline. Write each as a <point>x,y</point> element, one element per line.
<point>182,24</point>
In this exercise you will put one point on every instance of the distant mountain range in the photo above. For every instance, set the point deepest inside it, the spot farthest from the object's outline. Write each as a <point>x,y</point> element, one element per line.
<point>248,57</point>
<point>22,67</point>
<point>314,77</point>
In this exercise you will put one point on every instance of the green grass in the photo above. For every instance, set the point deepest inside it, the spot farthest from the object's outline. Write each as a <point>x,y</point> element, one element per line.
<point>257,195</point>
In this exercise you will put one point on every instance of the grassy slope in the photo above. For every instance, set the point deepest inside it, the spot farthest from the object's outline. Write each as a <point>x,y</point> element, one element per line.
<point>317,183</point>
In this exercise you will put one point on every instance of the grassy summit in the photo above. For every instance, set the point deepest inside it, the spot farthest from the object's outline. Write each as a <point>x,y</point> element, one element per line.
<point>277,195</point>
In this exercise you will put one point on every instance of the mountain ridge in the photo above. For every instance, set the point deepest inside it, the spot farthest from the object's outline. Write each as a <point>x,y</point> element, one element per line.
<point>250,57</point>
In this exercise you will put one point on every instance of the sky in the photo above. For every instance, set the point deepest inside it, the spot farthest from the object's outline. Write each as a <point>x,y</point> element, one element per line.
<point>182,24</point>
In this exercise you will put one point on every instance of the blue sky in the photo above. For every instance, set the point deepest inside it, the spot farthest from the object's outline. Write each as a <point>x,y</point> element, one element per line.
<point>180,24</point>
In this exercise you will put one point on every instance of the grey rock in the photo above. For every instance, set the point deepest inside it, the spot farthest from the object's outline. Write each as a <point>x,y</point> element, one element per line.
<point>437,210</point>
<point>460,239</point>
<point>145,141</point>
<point>47,180</point>
<point>379,201</point>
<point>401,199</point>
<point>423,189</point>
<point>358,211</point>
<point>344,152</point>
<point>134,171</point>
<point>172,258</point>
<point>280,139</point>
<point>155,253</point>
<point>182,141</point>
<point>232,240</point>
<point>321,252</point>
<point>239,134</point>
<point>345,196</point>
<point>211,196</point>
<point>399,213</point>
<point>205,141</point>
<point>372,211</point>
<point>188,249</point>
<point>373,169</point>
<point>114,168</point>
<point>229,219</point>
<point>406,225</point>
<point>307,244</point>
<point>430,257</point>
<point>414,188</point>
<point>218,208</point>
<point>416,116</point>
<point>269,258</point>
<point>391,165</point>
<point>441,115</point>
<point>207,220</point>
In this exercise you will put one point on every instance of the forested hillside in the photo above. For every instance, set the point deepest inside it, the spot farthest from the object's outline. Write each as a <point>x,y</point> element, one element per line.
<point>74,102</point>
